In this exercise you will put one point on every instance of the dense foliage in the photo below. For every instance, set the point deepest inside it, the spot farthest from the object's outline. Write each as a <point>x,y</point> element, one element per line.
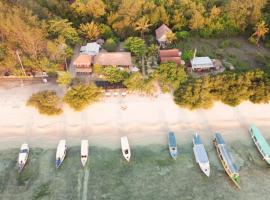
<point>64,78</point>
<point>170,75</point>
<point>47,102</point>
<point>81,96</point>
<point>137,83</point>
<point>41,45</point>
<point>230,88</point>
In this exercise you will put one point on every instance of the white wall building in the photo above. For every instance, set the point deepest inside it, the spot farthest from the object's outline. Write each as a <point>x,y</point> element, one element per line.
<point>91,49</point>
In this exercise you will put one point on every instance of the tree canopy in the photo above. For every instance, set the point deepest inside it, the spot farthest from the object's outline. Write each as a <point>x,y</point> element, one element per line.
<point>81,96</point>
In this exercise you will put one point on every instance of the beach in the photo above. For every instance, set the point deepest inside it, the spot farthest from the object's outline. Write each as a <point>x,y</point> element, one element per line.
<point>145,121</point>
<point>151,173</point>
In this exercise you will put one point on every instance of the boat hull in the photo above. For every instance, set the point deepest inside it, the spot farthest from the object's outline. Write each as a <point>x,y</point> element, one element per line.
<point>23,157</point>
<point>267,160</point>
<point>236,180</point>
<point>172,145</point>
<point>125,148</point>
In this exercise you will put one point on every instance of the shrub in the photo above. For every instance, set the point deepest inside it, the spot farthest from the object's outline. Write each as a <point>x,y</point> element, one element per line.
<point>137,83</point>
<point>224,44</point>
<point>81,96</point>
<point>182,35</point>
<point>114,75</point>
<point>47,102</point>
<point>187,55</point>
<point>64,78</point>
<point>110,45</point>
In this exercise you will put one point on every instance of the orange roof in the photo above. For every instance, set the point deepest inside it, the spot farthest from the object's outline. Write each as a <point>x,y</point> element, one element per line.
<point>114,59</point>
<point>161,31</point>
<point>169,53</point>
<point>176,60</point>
<point>83,60</point>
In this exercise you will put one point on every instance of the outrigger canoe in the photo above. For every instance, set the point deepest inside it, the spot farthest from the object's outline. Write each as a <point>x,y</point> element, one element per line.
<point>125,148</point>
<point>172,145</point>
<point>23,157</point>
<point>60,153</point>
<point>260,143</point>
<point>201,155</point>
<point>226,159</point>
<point>84,152</point>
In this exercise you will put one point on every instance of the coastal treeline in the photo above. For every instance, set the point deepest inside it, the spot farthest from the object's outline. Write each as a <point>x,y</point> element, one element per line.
<point>229,88</point>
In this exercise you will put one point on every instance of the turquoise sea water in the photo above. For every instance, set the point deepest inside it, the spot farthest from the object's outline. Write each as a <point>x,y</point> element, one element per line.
<point>151,174</point>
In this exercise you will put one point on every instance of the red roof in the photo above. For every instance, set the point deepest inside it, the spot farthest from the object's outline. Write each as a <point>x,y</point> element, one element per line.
<point>176,60</point>
<point>162,30</point>
<point>83,60</point>
<point>169,53</point>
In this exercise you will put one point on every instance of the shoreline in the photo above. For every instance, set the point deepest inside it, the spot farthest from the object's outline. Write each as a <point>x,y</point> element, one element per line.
<point>145,121</point>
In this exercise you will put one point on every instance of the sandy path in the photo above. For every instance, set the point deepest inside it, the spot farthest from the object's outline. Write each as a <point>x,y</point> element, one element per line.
<point>144,121</point>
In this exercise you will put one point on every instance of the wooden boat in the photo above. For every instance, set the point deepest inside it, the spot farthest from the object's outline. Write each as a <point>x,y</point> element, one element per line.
<point>23,156</point>
<point>201,155</point>
<point>125,148</point>
<point>172,145</point>
<point>60,153</point>
<point>84,152</point>
<point>226,159</point>
<point>260,142</point>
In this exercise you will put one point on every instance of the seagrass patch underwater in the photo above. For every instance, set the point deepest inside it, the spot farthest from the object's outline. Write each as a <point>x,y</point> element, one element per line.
<point>151,174</point>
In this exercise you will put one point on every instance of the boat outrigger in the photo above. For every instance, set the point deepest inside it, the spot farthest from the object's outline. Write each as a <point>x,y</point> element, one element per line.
<point>23,156</point>
<point>172,145</point>
<point>84,152</point>
<point>125,148</point>
<point>260,142</point>
<point>60,153</point>
<point>226,159</point>
<point>201,155</point>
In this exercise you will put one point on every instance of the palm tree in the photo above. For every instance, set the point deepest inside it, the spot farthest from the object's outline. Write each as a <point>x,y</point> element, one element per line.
<point>261,30</point>
<point>143,25</point>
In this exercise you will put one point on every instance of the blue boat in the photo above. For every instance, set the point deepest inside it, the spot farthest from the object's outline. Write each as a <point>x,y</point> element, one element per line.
<point>172,145</point>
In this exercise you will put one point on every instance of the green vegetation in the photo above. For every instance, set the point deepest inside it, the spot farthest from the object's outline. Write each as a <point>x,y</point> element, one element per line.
<point>170,75</point>
<point>230,88</point>
<point>110,45</point>
<point>81,96</point>
<point>64,79</point>
<point>47,102</point>
<point>137,83</point>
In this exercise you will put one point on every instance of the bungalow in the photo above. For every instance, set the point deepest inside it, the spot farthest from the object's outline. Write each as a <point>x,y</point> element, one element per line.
<point>83,63</point>
<point>201,63</point>
<point>117,59</point>
<point>90,49</point>
<point>161,34</point>
<point>170,55</point>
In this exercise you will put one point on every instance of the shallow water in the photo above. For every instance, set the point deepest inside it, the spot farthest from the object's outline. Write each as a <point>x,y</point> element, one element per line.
<point>151,174</point>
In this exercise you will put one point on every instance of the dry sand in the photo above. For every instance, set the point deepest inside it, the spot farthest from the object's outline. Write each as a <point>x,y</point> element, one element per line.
<point>145,121</point>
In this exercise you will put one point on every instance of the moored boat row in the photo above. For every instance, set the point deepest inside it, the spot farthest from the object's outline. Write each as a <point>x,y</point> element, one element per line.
<point>200,153</point>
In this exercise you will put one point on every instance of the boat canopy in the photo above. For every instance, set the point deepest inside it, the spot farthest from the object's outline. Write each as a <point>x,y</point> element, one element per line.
<point>172,139</point>
<point>259,137</point>
<point>225,154</point>
<point>84,147</point>
<point>201,154</point>
<point>61,148</point>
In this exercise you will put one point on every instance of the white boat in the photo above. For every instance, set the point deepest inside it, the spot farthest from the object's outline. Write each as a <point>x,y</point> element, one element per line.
<point>84,152</point>
<point>23,156</point>
<point>60,153</point>
<point>201,155</point>
<point>125,148</point>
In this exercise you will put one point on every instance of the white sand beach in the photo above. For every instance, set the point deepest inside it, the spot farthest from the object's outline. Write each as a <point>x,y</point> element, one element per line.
<point>145,121</point>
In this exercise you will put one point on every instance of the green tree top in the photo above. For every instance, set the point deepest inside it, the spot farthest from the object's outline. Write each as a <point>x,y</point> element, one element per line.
<point>135,45</point>
<point>64,78</point>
